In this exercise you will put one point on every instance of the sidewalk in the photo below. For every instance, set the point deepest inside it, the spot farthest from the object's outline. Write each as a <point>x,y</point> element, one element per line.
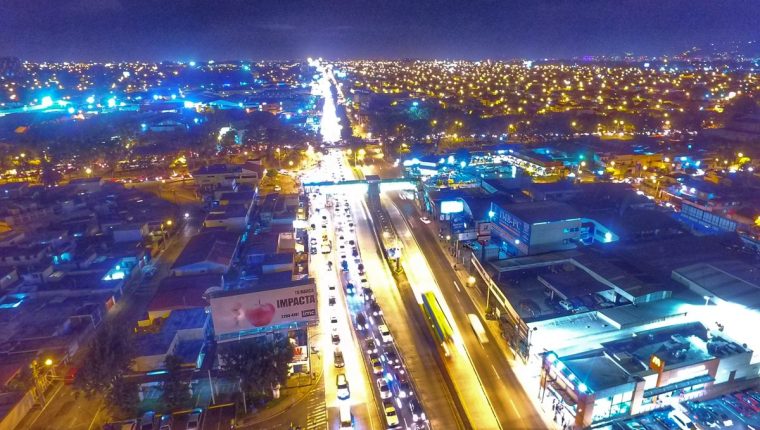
<point>296,390</point>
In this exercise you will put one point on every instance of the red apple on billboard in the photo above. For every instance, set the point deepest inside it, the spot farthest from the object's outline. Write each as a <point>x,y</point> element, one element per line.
<point>260,315</point>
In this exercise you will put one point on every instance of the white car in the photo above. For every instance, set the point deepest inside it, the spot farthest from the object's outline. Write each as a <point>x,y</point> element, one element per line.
<point>382,386</point>
<point>385,334</point>
<point>425,219</point>
<point>342,384</point>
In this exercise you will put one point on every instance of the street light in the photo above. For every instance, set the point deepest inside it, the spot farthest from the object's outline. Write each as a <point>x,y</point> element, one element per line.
<point>169,222</point>
<point>48,362</point>
<point>471,280</point>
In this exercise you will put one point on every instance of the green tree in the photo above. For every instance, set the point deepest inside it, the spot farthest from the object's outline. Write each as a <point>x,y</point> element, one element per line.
<point>259,364</point>
<point>176,392</point>
<point>106,361</point>
<point>122,398</point>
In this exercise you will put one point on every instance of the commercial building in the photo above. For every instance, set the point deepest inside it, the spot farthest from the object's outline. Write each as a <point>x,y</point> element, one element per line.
<point>536,227</point>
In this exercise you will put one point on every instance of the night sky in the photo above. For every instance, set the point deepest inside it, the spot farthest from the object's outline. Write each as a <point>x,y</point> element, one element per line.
<point>344,29</point>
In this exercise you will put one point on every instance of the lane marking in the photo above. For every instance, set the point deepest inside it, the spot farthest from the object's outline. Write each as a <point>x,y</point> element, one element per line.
<point>512,402</point>
<point>457,285</point>
<point>497,373</point>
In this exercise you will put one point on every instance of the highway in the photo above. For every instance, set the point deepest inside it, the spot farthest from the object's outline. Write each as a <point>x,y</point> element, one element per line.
<point>412,341</point>
<point>512,406</point>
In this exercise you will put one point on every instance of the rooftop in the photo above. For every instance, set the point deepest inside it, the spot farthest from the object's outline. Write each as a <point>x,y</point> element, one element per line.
<point>214,247</point>
<point>179,292</point>
<point>182,319</point>
<point>541,211</point>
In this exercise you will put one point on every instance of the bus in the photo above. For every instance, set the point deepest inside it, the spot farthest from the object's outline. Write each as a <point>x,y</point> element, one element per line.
<point>477,327</point>
<point>441,327</point>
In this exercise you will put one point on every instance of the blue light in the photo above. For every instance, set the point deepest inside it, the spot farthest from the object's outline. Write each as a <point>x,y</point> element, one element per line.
<point>463,164</point>
<point>71,110</point>
<point>551,357</point>
<point>112,102</point>
<point>415,103</point>
<point>195,120</point>
<point>157,372</point>
<point>47,101</point>
<point>582,387</point>
<point>451,159</point>
<point>188,104</point>
<point>155,96</point>
<point>174,96</point>
<point>491,214</point>
<point>191,64</point>
<point>90,100</point>
<point>608,237</point>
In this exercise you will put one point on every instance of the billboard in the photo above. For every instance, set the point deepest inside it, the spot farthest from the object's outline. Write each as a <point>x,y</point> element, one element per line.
<point>452,206</point>
<point>261,309</point>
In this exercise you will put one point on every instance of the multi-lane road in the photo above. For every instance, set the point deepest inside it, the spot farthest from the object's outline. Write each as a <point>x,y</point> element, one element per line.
<point>510,403</point>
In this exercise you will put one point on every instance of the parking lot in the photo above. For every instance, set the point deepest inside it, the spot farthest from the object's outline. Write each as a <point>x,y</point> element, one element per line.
<point>735,411</point>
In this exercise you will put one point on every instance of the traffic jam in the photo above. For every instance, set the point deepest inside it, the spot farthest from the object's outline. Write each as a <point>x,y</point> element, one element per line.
<point>333,234</point>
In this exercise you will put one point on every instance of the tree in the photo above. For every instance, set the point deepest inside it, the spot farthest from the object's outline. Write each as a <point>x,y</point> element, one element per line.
<point>106,361</point>
<point>122,398</point>
<point>175,387</point>
<point>260,364</point>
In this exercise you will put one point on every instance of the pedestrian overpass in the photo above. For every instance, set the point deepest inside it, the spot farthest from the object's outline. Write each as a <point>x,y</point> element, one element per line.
<point>361,185</point>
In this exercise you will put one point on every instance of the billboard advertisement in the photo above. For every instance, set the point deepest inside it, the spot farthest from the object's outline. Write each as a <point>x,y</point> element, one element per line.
<point>452,206</point>
<point>261,309</point>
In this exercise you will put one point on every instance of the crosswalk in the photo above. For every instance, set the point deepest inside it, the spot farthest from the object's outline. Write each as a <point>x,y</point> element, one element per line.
<point>316,417</point>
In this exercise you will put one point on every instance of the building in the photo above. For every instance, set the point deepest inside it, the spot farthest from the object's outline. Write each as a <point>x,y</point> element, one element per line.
<point>183,333</point>
<point>182,292</point>
<point>217,175</point>
<point>207,252</point>
<point>536,227</point>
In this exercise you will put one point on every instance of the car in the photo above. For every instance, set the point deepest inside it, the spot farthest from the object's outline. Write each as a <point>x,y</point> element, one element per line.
<point>377,366</point>
<point>350,289</point>
<point>425,220</point>
<point>391,417</point>
<point>402,386</point>
<point>370,346</point>
<point>324,226</point>
<point>385,333</point>
<point>360,268</point>
<point>331,287</point>
<point>313,241</point>
<point>566,305</point>
<point>375,308</point>
<point>368,294</point>
<point>146,422</point>
<point>344,265</point>
<point>331,300</point>
<point>333,319</point>
<point>313,250</point>
<point>342,384</point>
<point>383,388</point>
<point>277,188</point>
<point>391,357</point>
<point>354,252</point>
<point>361,321</point>
<point>165,422</point>
<point>335,338</point>
<point>352,242</point>
<point>416,409</point>
<point>338,358</point>
<point>682,421</point>
<point>193,420</point>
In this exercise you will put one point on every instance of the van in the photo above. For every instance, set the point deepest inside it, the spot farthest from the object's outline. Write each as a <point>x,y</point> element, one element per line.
<point>346,418</point>
<point>682,421</point>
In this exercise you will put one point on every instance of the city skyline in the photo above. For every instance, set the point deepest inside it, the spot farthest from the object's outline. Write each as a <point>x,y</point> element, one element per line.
<point>115,30</point>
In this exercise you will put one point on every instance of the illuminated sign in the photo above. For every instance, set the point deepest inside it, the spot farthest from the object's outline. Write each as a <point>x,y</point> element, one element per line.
<point>656,363</point>
<point>261,309</point>
<point>452,206</point>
